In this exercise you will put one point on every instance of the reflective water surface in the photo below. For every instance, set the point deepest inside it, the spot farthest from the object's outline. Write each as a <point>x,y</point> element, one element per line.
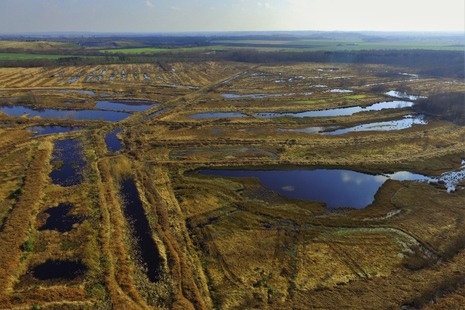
<point>336,188</point>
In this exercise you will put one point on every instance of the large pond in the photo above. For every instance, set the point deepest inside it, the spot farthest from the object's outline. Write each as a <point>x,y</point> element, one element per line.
<point>112,116</point>
<point>336,188</point>
<point>126,105</point>
<point>68,163</point>
<point>145,245</point>
<point>342,111</point>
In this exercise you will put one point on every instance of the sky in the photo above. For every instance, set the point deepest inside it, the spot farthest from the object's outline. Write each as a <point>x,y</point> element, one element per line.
<point>230,15</point>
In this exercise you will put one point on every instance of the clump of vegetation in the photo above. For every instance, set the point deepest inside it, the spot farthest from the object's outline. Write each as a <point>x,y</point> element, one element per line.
<point>28,246</point>
<point>448,106</point>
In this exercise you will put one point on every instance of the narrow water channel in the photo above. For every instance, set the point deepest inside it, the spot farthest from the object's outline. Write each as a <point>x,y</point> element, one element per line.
<point>145,245</point>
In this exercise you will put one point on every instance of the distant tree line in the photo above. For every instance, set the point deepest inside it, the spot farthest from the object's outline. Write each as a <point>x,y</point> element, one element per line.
<point>423,62</point>
<point>426,62</point>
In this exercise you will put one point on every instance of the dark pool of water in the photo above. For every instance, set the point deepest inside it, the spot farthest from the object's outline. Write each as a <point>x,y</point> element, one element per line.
<point>404,123</point>
<point>68,163</point>
<point>46,130</point>
<point>55,269</point>
<point>342,111</point>
<point>218,115</point>
<point>336,188</point>
<point>135,215</point>
<point>112,116</point>
<point>131,106</point>
<point>113,143</point>
<point>59,219</point>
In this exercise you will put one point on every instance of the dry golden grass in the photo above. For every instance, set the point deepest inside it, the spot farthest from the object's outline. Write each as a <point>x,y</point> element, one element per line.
<point>230,244</point>
<point>16,227</point>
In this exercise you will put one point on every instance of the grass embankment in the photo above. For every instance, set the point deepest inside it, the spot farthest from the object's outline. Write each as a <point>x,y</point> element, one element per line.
<point>119,273</point>
<point>36,45</point>
<point>327,100</point>
<point>17,226</point>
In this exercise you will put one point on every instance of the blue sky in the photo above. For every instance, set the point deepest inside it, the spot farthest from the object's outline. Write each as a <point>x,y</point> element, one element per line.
<point>230,15</point>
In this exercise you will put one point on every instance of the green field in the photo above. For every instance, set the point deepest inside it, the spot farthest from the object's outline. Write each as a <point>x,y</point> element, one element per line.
<point>155,50</point>
<point>347,44</point>
<point>26,56</point>
<point>301,46</point>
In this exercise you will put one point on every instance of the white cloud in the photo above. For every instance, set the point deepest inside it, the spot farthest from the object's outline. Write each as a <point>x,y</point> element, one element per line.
<point>149,4</point>
<point>265,5</point>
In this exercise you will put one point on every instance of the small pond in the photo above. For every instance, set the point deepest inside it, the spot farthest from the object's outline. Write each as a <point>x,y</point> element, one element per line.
<point>126,105</point>
<point>55,269</point>
<point>113,143</point>
<point>342,111</point>
<point>336,188</point>
<point>67,162</point>
<point>112,116</point>
<point>59,219</point>
<point>135,215</point>
<point>218,115</point>
<point>46,130</point>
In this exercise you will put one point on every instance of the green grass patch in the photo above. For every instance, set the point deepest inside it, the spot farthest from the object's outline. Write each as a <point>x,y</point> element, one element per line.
<point>135,51</point>
<point>156,50</point>
<point>25,56</point>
